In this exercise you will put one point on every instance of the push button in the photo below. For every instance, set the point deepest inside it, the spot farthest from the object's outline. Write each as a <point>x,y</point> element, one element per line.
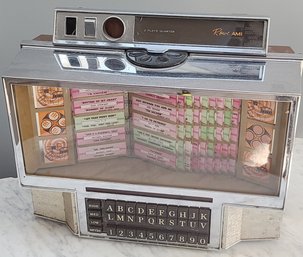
<point>95,229</point>
<point>151,210</point>
<point>94,214</point>
<point>141,234</point>
<point>90,27</point>
<point>110,206</point>
<point>151,235</point>
<point>95,222</point>
<point>93,204</point>
<point>156,222</point>
<point>111,230</point>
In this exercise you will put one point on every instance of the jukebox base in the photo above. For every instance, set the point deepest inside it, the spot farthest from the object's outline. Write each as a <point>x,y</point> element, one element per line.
<point>111,219</point>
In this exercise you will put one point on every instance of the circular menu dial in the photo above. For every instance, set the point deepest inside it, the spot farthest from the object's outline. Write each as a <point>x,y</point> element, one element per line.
<point>145,59</point>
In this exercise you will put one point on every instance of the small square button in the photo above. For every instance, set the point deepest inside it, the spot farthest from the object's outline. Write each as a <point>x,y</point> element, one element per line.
<point>95,229</point>
<point>202,240</point>
<point>94,214</point>
<point>95,222</point>
<point>121,232</point>
<point>151,210</point>
<point>182,238</point>
<point>130,219</point>
<point>192,239</point>
<point>140,220</point>
<point>204,214</point>
<point>193,213</point>
<point>131,233</point>
<point>110,206</point>
<point>172,223</point>
<point>120,207</point>
<point>141,234</point>
<point>130,208</point>
<point>182,213</point>
<point>171,237</point>
<point>182,224</point>
<point>161,236</point>
<point>111,230</point>
<point>141,209</point>
<point>90,27</point>
<point>162,222</point>
<point>172,211</point>
<point>151,235</point>
<point>162,211</point>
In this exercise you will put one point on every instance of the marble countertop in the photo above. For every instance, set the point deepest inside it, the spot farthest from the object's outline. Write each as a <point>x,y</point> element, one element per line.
<point>23,234</point>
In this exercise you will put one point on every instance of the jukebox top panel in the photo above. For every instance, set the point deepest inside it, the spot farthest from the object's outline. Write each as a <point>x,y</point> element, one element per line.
<point>242,35</point>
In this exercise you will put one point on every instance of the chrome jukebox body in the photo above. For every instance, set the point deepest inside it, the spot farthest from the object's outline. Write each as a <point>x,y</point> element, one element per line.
<point>173,130</point>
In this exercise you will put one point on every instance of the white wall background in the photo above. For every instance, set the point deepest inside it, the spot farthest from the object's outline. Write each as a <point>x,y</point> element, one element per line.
<point>28,18</point>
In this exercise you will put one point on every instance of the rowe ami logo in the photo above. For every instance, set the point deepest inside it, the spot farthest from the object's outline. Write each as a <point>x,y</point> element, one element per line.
<point>220,32</point>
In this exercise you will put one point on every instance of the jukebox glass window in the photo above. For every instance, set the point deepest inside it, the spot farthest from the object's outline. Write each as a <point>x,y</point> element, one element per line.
<point>183,141</point>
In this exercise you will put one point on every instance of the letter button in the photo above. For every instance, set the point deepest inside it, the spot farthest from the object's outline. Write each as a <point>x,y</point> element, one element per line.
<point>130,219</point>
<point>120,218</point>
<point>182,224</point>
<point>204,214</point>
<point>172,223</point>
<point>141,209</point>
<point>151,221</point>
<point>162,211</point>
<point>140,220</point>
<point>109,217</point>
<point>161,222</point>
<point>193,213</point>
<point>172,211</point>
<point>120,207</point>
<point>109,206</point>
<point>193,225</point>
<point>151,210</point>
<point>130,207</point>
<point>182,213</point>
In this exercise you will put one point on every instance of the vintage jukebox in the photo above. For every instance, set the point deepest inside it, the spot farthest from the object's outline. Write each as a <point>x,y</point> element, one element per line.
<point>172,130</point>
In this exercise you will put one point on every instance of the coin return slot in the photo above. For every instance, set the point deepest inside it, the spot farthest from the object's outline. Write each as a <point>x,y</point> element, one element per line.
<point>70,26</point>
<point>90,27</point>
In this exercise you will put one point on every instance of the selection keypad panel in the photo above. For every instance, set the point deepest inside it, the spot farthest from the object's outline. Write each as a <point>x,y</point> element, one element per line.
<point>149,221</point>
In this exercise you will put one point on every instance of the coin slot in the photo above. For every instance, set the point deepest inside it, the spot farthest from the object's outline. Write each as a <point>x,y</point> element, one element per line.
<point>90,27</point>
<point>70,26</point>
<point>113,28</point>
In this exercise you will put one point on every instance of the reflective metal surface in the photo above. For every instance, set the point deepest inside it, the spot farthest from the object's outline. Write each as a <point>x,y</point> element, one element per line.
<point>274,78</point>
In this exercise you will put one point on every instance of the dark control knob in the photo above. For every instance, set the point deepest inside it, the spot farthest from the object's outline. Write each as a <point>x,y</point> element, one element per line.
<point>114,64</point>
